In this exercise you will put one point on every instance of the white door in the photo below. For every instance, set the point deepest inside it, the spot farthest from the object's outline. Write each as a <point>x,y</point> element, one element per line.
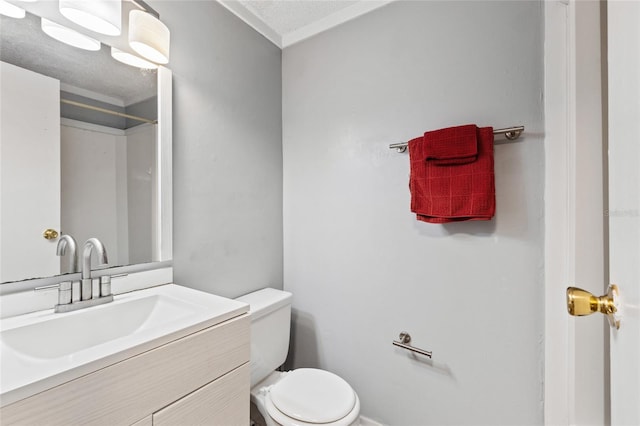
<point>575,385</point>
<point>29,173</point>
<point>624,205</point>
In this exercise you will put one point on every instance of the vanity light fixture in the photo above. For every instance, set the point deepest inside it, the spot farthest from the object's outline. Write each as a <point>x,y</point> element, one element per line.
<point>10,10</point>
<point>133,60</point>
<point>101,16</point>
<point>148,36</point>
<point>69,36</point>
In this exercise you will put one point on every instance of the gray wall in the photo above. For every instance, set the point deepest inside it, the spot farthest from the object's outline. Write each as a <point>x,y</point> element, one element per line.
<point>146,109</point>
<point>141,171</point>
<point>227,150</point>
<point>361,268</point>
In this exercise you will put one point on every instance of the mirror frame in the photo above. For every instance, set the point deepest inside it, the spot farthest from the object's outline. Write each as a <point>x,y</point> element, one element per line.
<point>163,226</point>
<point>162,220</point>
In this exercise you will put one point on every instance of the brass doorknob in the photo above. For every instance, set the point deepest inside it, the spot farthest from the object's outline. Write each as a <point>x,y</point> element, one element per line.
<point>581,302</point>
<point>50,234</point>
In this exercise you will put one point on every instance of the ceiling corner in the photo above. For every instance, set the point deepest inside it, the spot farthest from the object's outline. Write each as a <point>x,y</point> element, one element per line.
<point>252,20</point>
<point>286,22</point>
<point>325,23</point>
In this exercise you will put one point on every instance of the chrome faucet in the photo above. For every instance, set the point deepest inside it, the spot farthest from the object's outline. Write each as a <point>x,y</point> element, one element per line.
<point>67,245</point>
<point>67,299</point>
<point>86,289</point>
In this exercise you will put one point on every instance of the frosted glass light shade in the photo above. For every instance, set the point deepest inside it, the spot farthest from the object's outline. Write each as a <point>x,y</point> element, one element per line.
<point>69,36</point>
<point>149,37</point>
<point>101,16</point>
<point>10,10</point>
<point>133,60</point>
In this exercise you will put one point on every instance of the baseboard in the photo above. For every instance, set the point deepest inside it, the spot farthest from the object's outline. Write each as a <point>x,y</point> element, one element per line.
<point>365,421</point>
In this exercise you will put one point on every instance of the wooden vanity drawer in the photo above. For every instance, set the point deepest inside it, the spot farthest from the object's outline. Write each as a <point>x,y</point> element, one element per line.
<point>222,402</point>
<point>128,391</point>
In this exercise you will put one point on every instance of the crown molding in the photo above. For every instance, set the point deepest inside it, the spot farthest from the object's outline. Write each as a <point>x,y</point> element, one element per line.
<point>303,33</point>
<point>333,20</point>
<point>252,20</point>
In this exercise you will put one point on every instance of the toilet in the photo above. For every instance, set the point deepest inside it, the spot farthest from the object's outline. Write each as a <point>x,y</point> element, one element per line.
<point>301,397</point>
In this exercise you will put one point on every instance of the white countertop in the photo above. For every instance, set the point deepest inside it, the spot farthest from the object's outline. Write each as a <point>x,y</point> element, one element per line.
<point>35,355</point>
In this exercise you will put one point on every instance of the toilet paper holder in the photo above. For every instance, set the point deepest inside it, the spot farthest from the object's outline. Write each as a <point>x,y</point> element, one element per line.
<point>404,343</point>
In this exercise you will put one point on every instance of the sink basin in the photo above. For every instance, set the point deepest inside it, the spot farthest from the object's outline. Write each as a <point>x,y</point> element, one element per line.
<point>44,349</point>
<point>66,335</point>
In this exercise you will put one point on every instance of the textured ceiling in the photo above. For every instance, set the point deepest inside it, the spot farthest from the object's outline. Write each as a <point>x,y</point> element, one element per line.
<point>286,22</point>
<point>285,16</point>
<point>24,44</point>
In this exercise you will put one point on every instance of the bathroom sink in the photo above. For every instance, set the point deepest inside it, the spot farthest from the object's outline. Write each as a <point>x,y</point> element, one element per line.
<point>66,335</point>
<point>43,349</point>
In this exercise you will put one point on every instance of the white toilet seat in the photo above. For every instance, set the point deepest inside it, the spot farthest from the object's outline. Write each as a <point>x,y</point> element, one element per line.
<point>309,397</point>
<point>285,420</point>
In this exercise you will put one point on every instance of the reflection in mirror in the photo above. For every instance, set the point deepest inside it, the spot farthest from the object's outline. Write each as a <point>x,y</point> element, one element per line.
<point>79,154</point>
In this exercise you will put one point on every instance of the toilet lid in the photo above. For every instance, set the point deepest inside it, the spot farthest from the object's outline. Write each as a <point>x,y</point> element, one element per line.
<point>313,396</point>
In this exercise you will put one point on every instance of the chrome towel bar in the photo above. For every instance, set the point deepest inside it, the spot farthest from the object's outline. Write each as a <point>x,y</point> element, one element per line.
<point>511,133</point>
<point>404,343</point>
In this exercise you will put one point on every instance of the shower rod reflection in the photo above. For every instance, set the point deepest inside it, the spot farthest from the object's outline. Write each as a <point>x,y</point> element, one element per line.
<point>511,133</point>
<point>108,111</point>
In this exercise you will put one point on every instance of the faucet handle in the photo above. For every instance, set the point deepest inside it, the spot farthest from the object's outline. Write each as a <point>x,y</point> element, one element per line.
<point>105,285</point>
<point>64,291</point>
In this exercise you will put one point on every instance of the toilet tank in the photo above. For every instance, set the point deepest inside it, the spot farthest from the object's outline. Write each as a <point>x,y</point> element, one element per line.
<point>270,311</point>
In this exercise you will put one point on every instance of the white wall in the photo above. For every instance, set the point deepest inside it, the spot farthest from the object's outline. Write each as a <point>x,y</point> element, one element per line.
<point>91,160</point>
<point>624,206</point>
<point>106,188</point>
<point>360,266</point>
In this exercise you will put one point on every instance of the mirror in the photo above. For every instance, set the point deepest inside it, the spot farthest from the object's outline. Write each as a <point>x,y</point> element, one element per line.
<point>100,174</point>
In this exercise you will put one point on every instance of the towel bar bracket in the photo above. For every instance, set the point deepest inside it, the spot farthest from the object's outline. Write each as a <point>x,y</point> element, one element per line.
<point>512,135</point>
<point>405,343</point>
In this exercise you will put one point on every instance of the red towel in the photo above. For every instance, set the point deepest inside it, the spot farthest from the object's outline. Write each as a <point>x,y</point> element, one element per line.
<point>452,145</point>
<point>455,192</point>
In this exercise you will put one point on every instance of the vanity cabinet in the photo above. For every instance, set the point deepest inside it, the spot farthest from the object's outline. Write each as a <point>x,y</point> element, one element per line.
<point>222,402</point>
<point>202,378</point>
